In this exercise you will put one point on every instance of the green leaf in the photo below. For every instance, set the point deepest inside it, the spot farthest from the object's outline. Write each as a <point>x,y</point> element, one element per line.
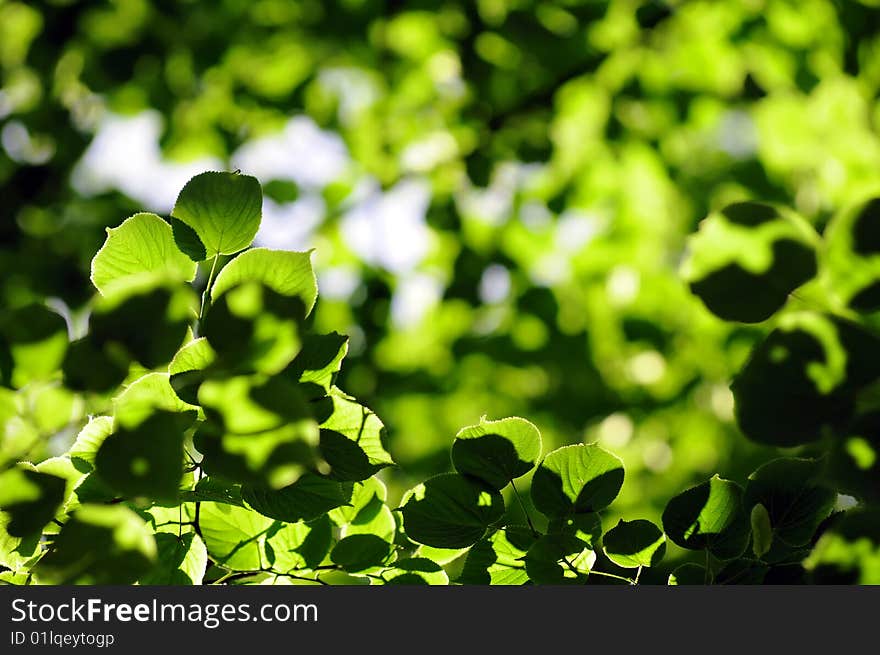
<point>215,490</point>
<point>441,556</point>
<point>500,558</point>
<point>801,381</point>
<point>61,467</point>
<point>852,257</point>
<point>319,360</point>
<point>180,560</point>
<point>146,460</point>
<point>586,527</point>
<point>497,451</point>
<point>293,546</point>
<point>187,241</point>
<point>17,553</point>
<point>746,259</point>
<point>91,366</point>
<point>36,340</point>
<point>286,273</point>
<point>142,246</point>
<point>234,535</point>
<point>17,435</point>
<point>30,498</point>
<point>849,552</point>
<point>82,452</point>
<point>187,369</point>
<point>13,578</point>
<point>796,499</point>
<point>148,322</point>
<point>282,191</point>
<point>559,559</point>
<point>360,552</point>
<point>258,430</point>
<point>308,498</point>
<point>144,396</point>
<point>51,406</point>
<point>709,516</point>
<point>633,544</point>
<point>223,209</point>
<point>352,439</point>
<point>576,479</point>
<point>450,511</point>
<point>743,572</point>
<point>253,328</point>
<point>366,498</point>
<point>367,512</point>
<point>688,574</point>
<point>91,489</point>
<point>414,571</point>
<point>762,531</point>
<point>99,545</point>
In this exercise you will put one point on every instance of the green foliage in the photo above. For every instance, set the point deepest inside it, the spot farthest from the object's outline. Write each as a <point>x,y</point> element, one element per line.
<point>214,443</point>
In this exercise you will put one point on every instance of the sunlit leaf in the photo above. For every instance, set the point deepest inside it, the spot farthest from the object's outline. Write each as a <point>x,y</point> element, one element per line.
<point>181,560</point>
<point>187,368</point>
<point>499,559</point>
<point>559,559</point>
<point>450,511</point>
<point>141,246</point>
<point>99,545</point>
<point>234,536</point>
<point>576,479</point>
<point>306,499</point>
<point>253,328</point>
<point>293,546</point>
<point>632,544</point>
<point>413,571</point>
<point>352,439</point>
<point>796,499</point>
<point>82,452</point>
<point>286,273</point>
<point>143,397</point>
<point>762,530</point>
<point>223,209</point>
<point>496,452</point>
<point>320,359</point>
<point>709,516</point>
<point>688,574</point>
<point>359,552</point>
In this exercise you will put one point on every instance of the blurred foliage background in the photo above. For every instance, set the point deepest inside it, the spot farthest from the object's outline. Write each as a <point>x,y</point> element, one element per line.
<point>498,191</point>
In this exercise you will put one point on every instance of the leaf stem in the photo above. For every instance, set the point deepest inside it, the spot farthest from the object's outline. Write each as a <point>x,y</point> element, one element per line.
<point>525,511</point>
<point>196,526</point>
<point>613,575</point>
<point>207,291</point>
